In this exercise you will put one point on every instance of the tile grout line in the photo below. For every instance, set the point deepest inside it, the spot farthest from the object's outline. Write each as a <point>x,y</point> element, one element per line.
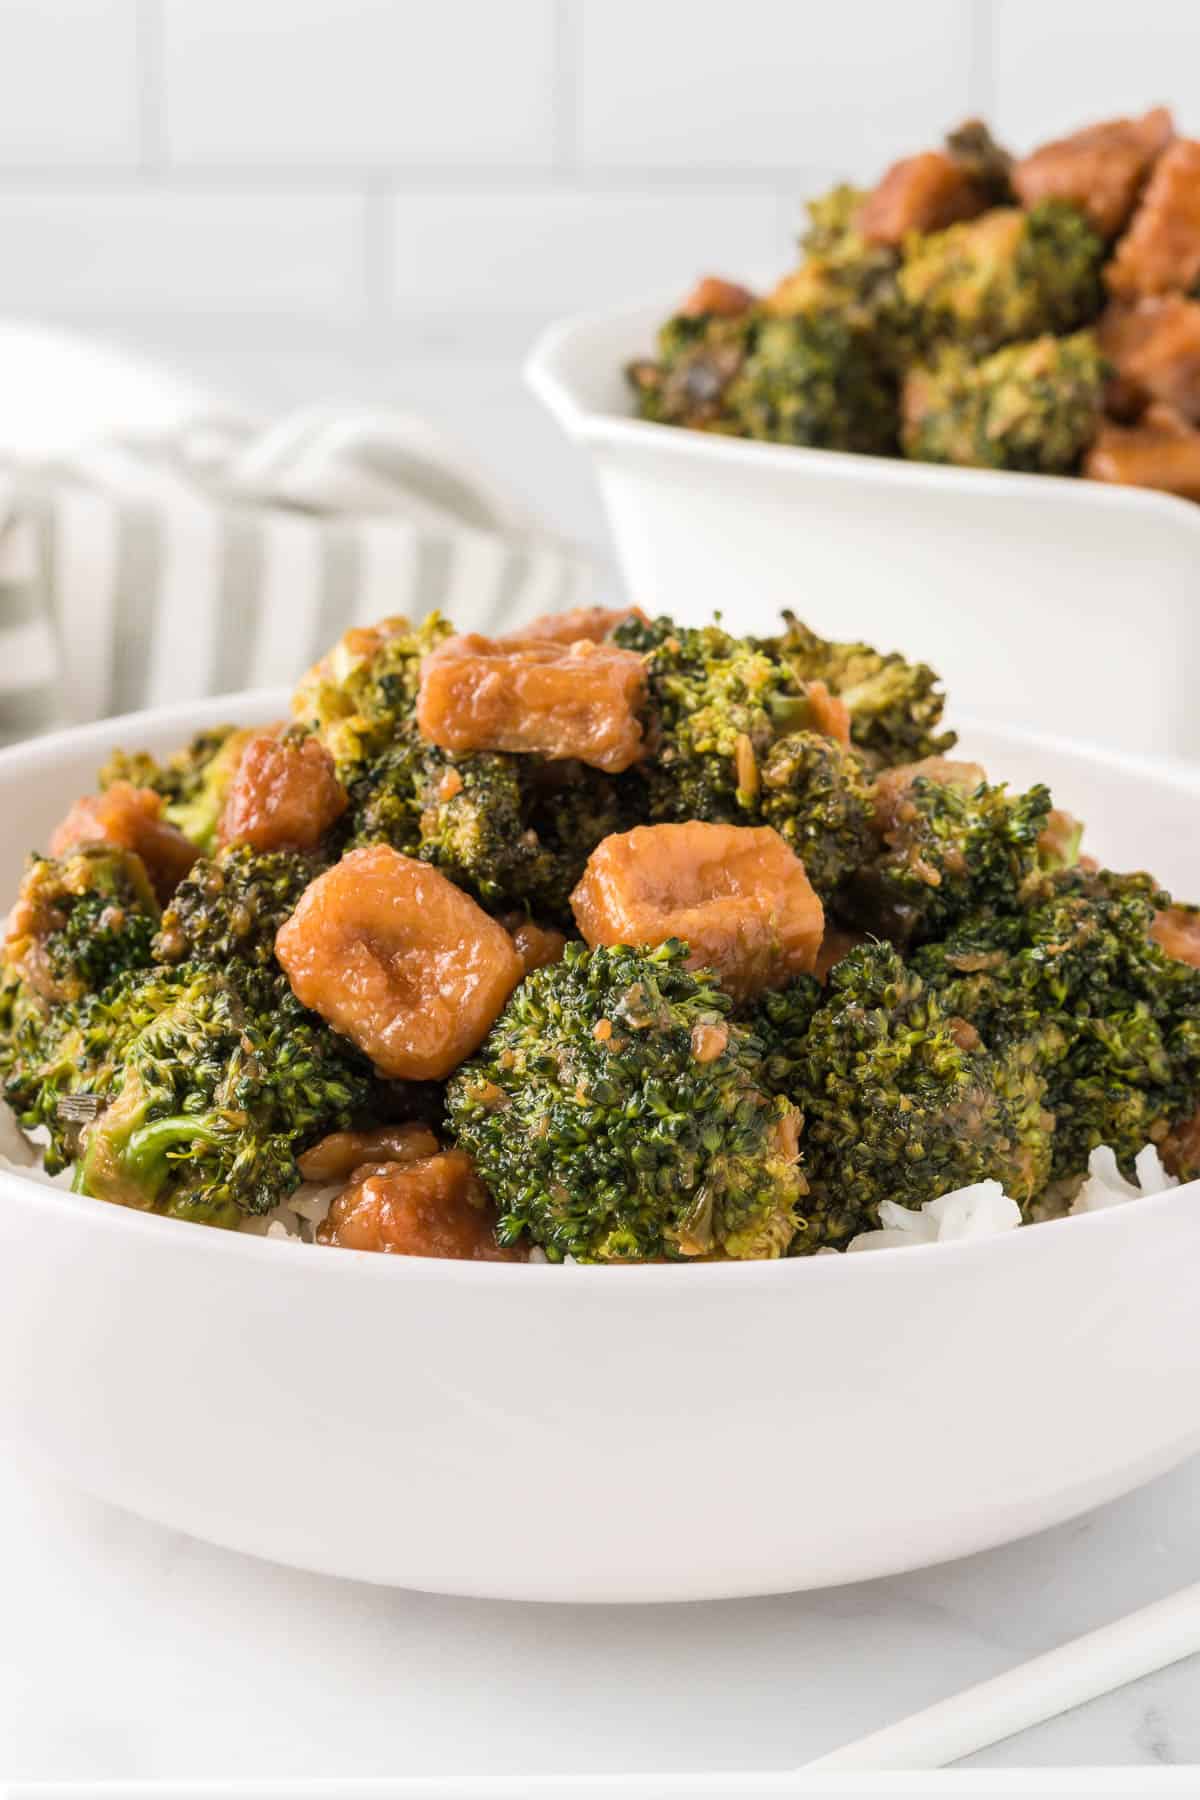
<point>981,84</point>
<point>151,89</point>
<point>564,74</point>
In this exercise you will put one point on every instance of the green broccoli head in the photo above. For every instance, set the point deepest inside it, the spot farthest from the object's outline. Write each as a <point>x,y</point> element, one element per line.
<point>817,378</point>
<point>80,921</point>
<point>229,908</point>
<point>1033,406</point>
<point>895,706</point>
<point>732,742</point>
<point>360,698</point>
<point>947,851</point>
<point>716,704</point>
<point>209,1087</point>
<point>900,1103</point>
<point>615,1112</point>
<point>832,219</point>
<point>699,354</point>
<point>1077,959</point>
<point>1004,276</point>
<point>779,1020</point>
<point>511,830</point>
<point>818,798</point>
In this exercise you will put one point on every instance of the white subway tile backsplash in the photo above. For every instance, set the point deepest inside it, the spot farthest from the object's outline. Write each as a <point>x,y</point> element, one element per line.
<point>1062,64</point>
<point>373,82</point>
<point>183,253</point>
<point>68,83</point>
<point>768,83</point>
<point>546,251</point>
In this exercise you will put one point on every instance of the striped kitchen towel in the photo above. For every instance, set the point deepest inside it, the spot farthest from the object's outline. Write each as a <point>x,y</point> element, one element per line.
<point>222,556</point>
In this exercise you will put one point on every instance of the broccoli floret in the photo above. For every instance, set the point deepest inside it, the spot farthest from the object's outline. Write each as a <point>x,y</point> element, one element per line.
<point>193,781</point>
<point>779,1020</point>
<point>1077,957</point>
<point>901,1104</point>
<point>360,698</point>
<point>731,743</point>
<point>817,378</point>
<point>817,796</point>
<point>948,851</point>
<point>698,357</point>
<point>716,704</point>
<point>832,219</point>
<point>1004,276</point>
<point>230,907</point>
<point>511,830</point>
<point>895,706</point>
<point>615,1113</point>
<point>1028,406</point>
<point>79,922</point>
<point>210,1086</point>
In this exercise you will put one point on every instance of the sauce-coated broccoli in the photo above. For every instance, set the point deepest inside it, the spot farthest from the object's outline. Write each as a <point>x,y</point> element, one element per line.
<point>1078,957</point>
<point>1030,406</point>
<point>901,1103</point>
<point>1002,277</point>
<point>615,1113</point>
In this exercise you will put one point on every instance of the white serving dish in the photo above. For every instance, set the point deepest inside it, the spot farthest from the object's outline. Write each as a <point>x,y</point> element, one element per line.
<point>656,1433</point>
<point>1057,603</point>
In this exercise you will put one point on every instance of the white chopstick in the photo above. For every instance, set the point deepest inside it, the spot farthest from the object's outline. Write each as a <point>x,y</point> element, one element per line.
<point>1035,1691</point>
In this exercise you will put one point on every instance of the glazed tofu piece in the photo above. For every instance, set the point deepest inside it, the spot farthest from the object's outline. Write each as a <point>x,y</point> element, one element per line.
<point>921,193</point>
<point>1161,451</point>
<point>1177,930</point>
<point>283,796</point>
<point>1101,169</point>
<point>130,817</point>
<point>337,1156</point>
<point>714,297</point>
<point>735,894</point>
<point>1160,253</point>
<point>592,622</point>
<point>562,701</point>
<point>1155,349</point>
<point>435,1207</point>
<point>398,960</point>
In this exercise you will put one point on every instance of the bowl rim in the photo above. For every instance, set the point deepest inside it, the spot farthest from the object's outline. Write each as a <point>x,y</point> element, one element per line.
<point>548,373</point>
<point>357,1265</point>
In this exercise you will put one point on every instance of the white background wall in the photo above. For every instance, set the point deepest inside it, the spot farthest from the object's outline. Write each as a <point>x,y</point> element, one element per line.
<point>309,199</point>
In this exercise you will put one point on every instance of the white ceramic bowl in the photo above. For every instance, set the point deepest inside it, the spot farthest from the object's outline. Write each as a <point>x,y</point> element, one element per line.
<point>603,1434</point>
<point>1061,604</point>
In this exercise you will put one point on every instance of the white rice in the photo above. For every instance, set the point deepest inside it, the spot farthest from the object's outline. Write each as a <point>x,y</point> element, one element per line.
<point>981,1210</point>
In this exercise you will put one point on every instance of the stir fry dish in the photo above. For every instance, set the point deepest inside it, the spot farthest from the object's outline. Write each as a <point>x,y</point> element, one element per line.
<point>1039,313</point>
<point>612,940</point>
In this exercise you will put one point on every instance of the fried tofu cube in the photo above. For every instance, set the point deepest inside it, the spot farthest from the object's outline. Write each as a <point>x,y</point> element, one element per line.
<point>735,894</point>
<point>1161,250</point>
<point>562,701</point>
<point>1177,931</point>
<point>593,622</point>
<point>920,193</point>
<point>283,795</point>
<point>398,960</point>
<point>714,297</point>
<point>1162,451</point>
<point>435,1207</point>
<point>130,817</point>
<point>1155,349</point>
<point>1100,169</point>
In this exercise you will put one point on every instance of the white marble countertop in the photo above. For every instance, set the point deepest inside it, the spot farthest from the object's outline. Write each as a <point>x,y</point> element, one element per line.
<point>129,1651</point>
